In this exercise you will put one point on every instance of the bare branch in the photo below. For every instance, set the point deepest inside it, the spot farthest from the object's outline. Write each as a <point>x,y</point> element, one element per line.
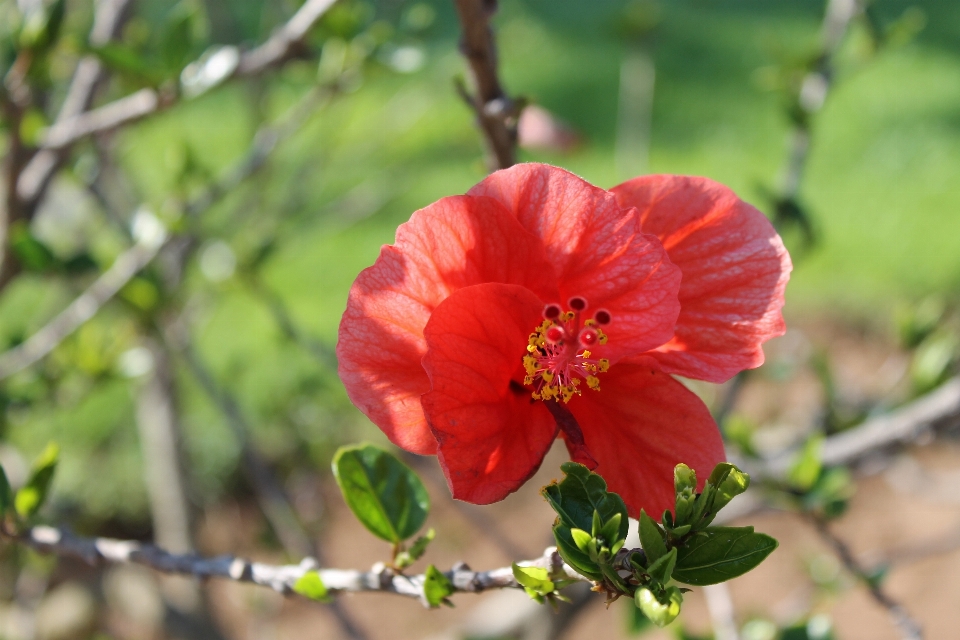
<point>909,627</point>
<point>496,113</point>
<point>275,51</point>
<point>134,259</point>
<point>124,268</point>
<point>939,410</point>
<point>280,578</point>
<point>285,40</point>
<point>36,175</point>
<point>814,89</point>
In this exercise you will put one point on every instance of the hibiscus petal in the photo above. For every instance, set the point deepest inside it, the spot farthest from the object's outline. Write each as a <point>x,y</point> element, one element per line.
<point>735,269</point>
<point>453,243</point>
<point>639,426</point>
<point>491,435</point>
<point>598,251</point>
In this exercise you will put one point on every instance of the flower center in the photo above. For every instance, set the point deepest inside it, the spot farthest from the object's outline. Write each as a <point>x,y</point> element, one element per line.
<point>558,359</point>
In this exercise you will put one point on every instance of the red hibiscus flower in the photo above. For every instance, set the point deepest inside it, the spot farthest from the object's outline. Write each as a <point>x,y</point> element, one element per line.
<point>539,306</point>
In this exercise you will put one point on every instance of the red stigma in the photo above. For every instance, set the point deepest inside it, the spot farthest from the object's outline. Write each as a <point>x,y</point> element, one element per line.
<point>602,316</point>
<point>555,334</point>
<point>588,337</point>
<point>551,311</point>
<point>577,303</point>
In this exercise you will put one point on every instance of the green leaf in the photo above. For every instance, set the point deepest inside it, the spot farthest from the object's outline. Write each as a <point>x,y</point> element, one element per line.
<point>611,529</point>
<point>650,538</point>
<point>806,466</point>
<point>311,585</point>
<point>581,493</point>
<point>718,554</point>
<point>385,495</point>
<point>662,569</point>
<point>534,580</point>
<point>6,495</point>
<point>582,539</point>
<point>31,496</point>
<point>660,611</point>
<point>416,551</point>
<point>436,587</point>
<point>578,559</point>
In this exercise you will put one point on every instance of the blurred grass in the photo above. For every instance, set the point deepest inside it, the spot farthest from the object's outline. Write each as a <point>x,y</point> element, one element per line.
<point>881,184</point>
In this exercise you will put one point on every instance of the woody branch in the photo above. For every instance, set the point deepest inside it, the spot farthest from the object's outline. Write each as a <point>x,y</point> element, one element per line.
<point>496,113</point>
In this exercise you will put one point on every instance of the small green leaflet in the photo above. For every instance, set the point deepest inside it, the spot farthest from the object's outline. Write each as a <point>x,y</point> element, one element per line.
<point>32,495</point>
<point>436,587</point>
<point>650,538</point>
<point>721,553</point>
<point>311,586</point>
<point>534,580</point>
<point>385,495</point>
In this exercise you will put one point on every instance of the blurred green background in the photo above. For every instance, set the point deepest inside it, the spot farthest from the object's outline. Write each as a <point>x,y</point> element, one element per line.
<point>882,187</point>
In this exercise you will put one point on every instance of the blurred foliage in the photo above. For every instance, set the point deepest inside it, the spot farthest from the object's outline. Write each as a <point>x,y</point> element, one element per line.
<point>879,195</point>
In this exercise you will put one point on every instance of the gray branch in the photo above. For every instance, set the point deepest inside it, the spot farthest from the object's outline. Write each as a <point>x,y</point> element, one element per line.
<point>152,237</point>
<point>275,51</point>
<point>280,578</point>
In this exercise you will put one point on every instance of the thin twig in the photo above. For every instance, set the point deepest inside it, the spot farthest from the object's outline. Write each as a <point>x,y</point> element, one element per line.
<point>124,268</point>
<point>909,627</point>
<point>496,113</point>
<point>280,578</point>
<point>937,411</point>
<point>36,176</point>
<point>134,259</point>
<point>275,51</point>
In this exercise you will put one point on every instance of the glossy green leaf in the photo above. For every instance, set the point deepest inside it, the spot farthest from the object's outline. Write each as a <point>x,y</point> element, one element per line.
<point>662,569</point>
<point>650,538</point>
<point>436,587</point>
<point>718,554</point>
<point>579,494</point>
<point>32,495</point>
<point>385,495</point>
<point>311,586</point>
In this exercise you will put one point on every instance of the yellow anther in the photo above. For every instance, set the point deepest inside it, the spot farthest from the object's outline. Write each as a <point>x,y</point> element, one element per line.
<point>536,396</point>
<point>569,315</point>
<point>528,380</point>
<point>589,323</point>
<point>547,376</point>
<point>575,382</point>
<point>548,392</point>
<point>604,365</point>
<point>568,392</point>
<point>593,382</point>
<point>531,348</point>
<point>585,354</point>
<point>602,339</point>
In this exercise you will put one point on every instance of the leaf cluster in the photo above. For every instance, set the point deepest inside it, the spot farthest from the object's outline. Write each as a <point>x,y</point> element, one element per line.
<point>683,547</point>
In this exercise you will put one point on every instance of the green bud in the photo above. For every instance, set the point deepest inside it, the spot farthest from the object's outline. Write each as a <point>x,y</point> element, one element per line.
<point>684,479</point>
<point>735,483</point>
<point>659,612</point>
